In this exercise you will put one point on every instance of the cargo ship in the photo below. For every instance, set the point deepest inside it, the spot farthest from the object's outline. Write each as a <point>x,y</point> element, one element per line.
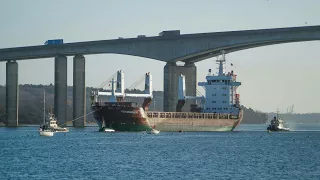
<point>218,110</point>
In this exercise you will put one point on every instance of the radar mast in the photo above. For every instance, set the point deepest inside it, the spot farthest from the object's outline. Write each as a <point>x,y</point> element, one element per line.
<point>221,61</point>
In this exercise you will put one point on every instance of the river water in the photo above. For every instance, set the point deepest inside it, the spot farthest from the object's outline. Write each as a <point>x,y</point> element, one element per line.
<point>247,153</point>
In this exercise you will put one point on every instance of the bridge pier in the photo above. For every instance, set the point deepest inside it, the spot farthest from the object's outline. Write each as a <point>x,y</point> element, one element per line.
<point>79,91</point>
<point>12,94</point>
<point>170,84</point>
<point>60,89</point>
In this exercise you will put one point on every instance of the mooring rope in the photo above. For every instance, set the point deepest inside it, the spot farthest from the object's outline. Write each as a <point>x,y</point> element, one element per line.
<point>80,117</point>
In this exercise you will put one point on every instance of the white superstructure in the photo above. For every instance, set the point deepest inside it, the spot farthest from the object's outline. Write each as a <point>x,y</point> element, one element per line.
<point>118,86</point>
<point>220,91</point>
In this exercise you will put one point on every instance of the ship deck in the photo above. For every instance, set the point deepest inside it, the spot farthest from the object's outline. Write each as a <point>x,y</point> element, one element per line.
<point>190,115</point>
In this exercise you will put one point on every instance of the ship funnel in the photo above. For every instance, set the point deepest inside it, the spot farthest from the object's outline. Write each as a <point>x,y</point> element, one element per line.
<point>148,84</point>
<point>181,87</point>
<point>120,82</point>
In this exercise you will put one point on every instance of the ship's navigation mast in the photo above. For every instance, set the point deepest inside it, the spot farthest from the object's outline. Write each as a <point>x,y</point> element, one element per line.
<point>221,61</point>
<point>44,106</point>
<point>278,114</point>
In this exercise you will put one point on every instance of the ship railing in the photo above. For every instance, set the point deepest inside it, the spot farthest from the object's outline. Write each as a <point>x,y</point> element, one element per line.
<point>190,115</point>
<point>112,105</point>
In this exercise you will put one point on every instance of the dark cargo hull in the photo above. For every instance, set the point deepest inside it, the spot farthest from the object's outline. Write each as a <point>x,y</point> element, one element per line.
<point>120,116</point>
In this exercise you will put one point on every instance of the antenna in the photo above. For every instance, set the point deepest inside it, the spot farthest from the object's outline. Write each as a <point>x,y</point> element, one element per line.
<point>44,106</point>
<point>223,57</point>
<point>292,108</point>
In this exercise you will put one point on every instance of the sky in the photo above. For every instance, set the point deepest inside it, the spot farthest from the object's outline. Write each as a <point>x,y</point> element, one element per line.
<point>272,77</point>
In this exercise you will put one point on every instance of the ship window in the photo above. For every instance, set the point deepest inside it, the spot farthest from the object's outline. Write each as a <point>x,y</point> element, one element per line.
<point>224,94</point>
<point>224,101</point>
<point>224,88</point>
<point>213,101</point>
<point>214,94</point>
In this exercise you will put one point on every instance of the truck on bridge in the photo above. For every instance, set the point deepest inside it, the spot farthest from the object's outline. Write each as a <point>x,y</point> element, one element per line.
<point>170,33</point>
<point>54,41</point>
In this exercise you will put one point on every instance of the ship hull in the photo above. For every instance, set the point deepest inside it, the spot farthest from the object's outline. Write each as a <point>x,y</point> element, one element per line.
<point>187,126</point>
<point>121,118</point>
<point>271,128</point>
<point>200,122</point>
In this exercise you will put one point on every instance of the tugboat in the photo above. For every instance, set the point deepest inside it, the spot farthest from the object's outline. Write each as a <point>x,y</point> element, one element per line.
<point>276,124</point>
<point>52,124</point>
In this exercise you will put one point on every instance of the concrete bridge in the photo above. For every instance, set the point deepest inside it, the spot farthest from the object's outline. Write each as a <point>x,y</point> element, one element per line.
<point>169,46</point>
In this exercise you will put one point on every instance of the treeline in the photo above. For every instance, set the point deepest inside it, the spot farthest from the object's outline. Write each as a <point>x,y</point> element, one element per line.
<point>251,116</point>
<point>298,117</point>
<point>31,104</point>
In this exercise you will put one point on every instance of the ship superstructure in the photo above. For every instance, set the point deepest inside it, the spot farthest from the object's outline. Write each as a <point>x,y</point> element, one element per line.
<point>220,91</point>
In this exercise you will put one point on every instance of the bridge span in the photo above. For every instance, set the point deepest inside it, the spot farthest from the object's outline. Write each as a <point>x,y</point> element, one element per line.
<point>188,48</point>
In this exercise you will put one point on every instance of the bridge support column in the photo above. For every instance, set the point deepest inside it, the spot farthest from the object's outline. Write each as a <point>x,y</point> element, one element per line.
<point>60,89</point>
<point>79,91</point>
<point>170,84</point>
<point>12,94</point>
